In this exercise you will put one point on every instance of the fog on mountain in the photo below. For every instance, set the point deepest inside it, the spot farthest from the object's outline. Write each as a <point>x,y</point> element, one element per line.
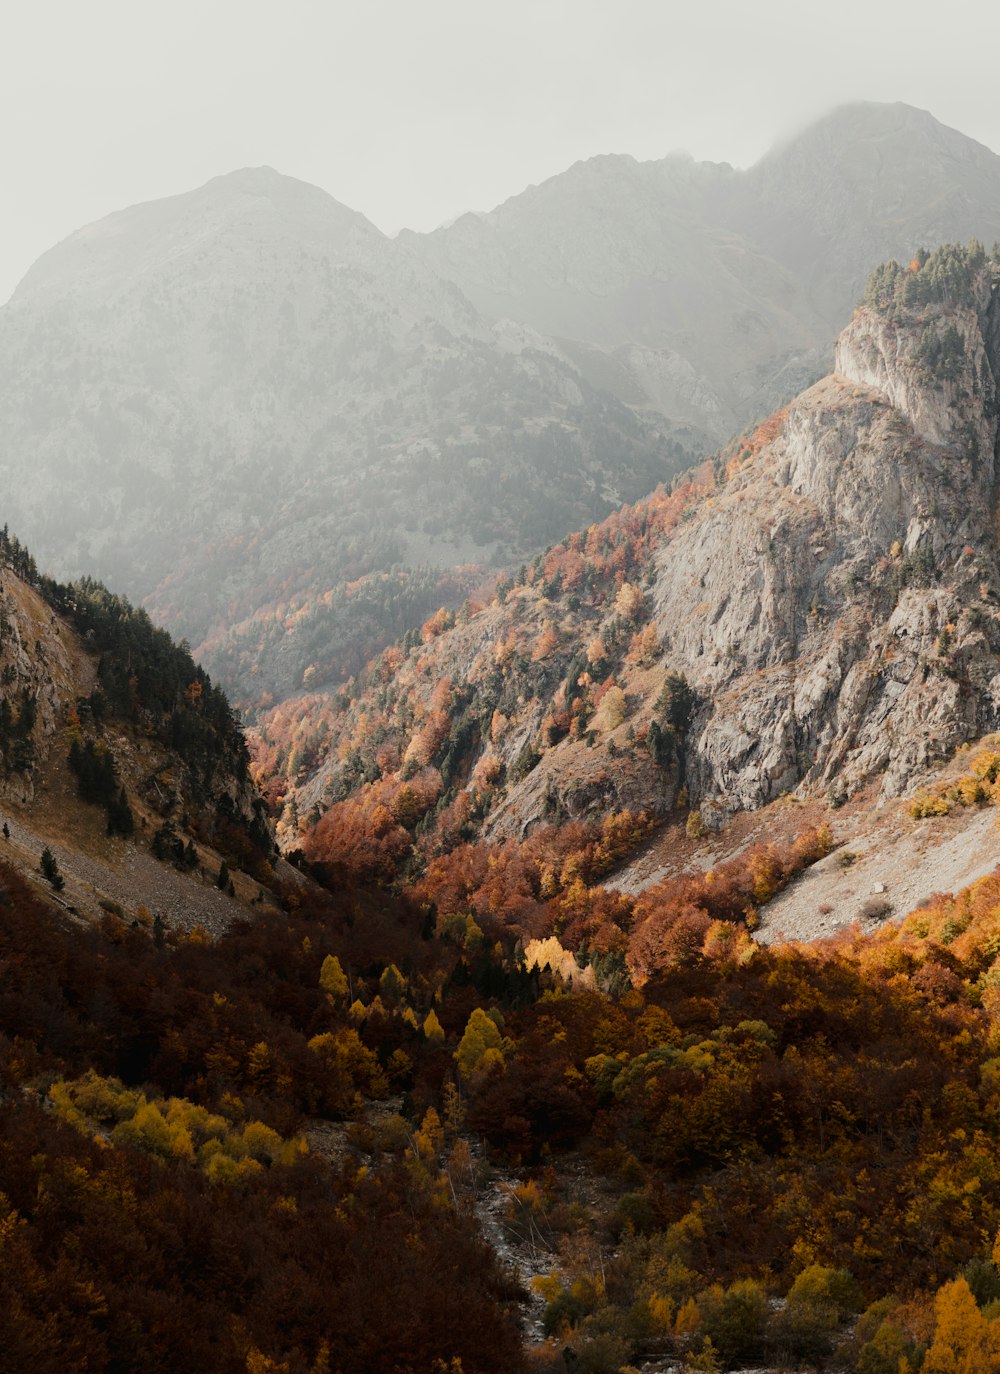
<point>258,412</point>
<point>574,942</point>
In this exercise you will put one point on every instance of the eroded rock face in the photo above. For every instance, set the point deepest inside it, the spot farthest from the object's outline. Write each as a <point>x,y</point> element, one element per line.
<point>40,671</point>
<point>836,605</point>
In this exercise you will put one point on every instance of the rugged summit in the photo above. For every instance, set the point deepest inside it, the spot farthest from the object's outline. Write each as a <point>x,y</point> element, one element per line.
<point>236,402</point>
<point>849,630</point>
<point>816,611</point>
<point>711,294</point>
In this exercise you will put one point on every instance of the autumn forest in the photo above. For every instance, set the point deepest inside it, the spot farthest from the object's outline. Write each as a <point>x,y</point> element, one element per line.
<point>573,947</point>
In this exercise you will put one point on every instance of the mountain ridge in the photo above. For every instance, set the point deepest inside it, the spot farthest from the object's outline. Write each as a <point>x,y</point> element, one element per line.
<point>253,391</point>
<point>813,197</point>
<point>227,194</point>
<point>284,431</point>
<point>814,612</point>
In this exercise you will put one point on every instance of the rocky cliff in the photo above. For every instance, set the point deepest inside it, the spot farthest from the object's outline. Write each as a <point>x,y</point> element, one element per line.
<point>120,757</point>
<point>836,606</point>
<point>828,597</point>
<point>42,670</point>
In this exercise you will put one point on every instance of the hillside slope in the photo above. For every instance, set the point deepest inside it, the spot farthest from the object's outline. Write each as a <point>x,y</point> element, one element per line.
<point>119,757</point>
<point>817,612</point>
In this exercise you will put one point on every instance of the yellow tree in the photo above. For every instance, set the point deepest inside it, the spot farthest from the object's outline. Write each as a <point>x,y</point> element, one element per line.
<point>965,1342</point>
<point>630,601</point>
<point>611,712</point>
<point>481,1047</point>
<point>332,978</point>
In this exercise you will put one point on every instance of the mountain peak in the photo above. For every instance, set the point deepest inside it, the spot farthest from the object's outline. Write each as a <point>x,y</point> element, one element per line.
<point>267,181</point>
<point>252,178</point>
<point>883,125</point>
<point>236,214</point>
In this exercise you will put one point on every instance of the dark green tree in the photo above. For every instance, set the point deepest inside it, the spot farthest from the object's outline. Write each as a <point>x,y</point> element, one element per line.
<point>50,870</point>
<point>120,818</point>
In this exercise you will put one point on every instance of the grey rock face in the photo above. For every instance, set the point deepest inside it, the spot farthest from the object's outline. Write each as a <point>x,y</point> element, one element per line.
<point>833,599</point>
<point>837,603</point>
<point>37,666</point>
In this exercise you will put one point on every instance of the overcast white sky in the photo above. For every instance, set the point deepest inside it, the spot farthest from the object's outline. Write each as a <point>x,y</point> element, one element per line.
<point>414,110</point>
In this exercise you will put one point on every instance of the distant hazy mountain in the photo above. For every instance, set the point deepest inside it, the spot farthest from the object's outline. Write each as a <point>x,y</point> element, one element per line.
<point>247,396</point>
<point>709,294</point>
<point>281,429</point>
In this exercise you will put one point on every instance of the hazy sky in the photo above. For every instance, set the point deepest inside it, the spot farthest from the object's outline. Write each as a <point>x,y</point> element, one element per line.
<point>414,110</point>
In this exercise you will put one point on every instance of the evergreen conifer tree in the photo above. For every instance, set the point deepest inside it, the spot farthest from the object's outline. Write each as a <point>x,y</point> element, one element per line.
<point>50,870</point>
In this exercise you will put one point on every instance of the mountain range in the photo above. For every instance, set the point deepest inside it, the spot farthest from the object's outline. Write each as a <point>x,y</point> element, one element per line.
<point>464,1023</point>
<point>702,292</point>
<point>285,432</point>
<point>248,398</point>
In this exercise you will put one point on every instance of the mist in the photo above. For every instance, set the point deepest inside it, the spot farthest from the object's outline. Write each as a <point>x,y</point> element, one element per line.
<point>414,114</point>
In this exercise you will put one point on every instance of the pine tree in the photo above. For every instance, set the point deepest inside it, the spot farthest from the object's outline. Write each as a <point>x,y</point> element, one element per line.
<point>120,818</point>
<point>50,870</point>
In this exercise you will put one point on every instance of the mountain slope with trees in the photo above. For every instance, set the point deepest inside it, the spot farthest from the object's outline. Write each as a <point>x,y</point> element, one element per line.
<point>292,438</point>
<point>722,1152</point>
<point>119,758</point>
<point>816,610</point>
<point>252,410</point>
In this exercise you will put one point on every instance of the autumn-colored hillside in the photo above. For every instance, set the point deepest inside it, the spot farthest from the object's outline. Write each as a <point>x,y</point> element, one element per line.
<point>813,613</point>
<point>479,698</point>
<point>779,1155</point>
<point>120,761</point>
<point>467,1012</point>
<point>691,1147</point>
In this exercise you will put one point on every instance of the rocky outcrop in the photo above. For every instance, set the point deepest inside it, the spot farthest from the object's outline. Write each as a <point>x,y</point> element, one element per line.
<point>42,670</point>
<point>837,604</point>
<point>832,598</point>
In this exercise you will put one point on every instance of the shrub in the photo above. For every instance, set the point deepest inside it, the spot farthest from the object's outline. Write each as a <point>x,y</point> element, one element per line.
<point>876,909</point>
